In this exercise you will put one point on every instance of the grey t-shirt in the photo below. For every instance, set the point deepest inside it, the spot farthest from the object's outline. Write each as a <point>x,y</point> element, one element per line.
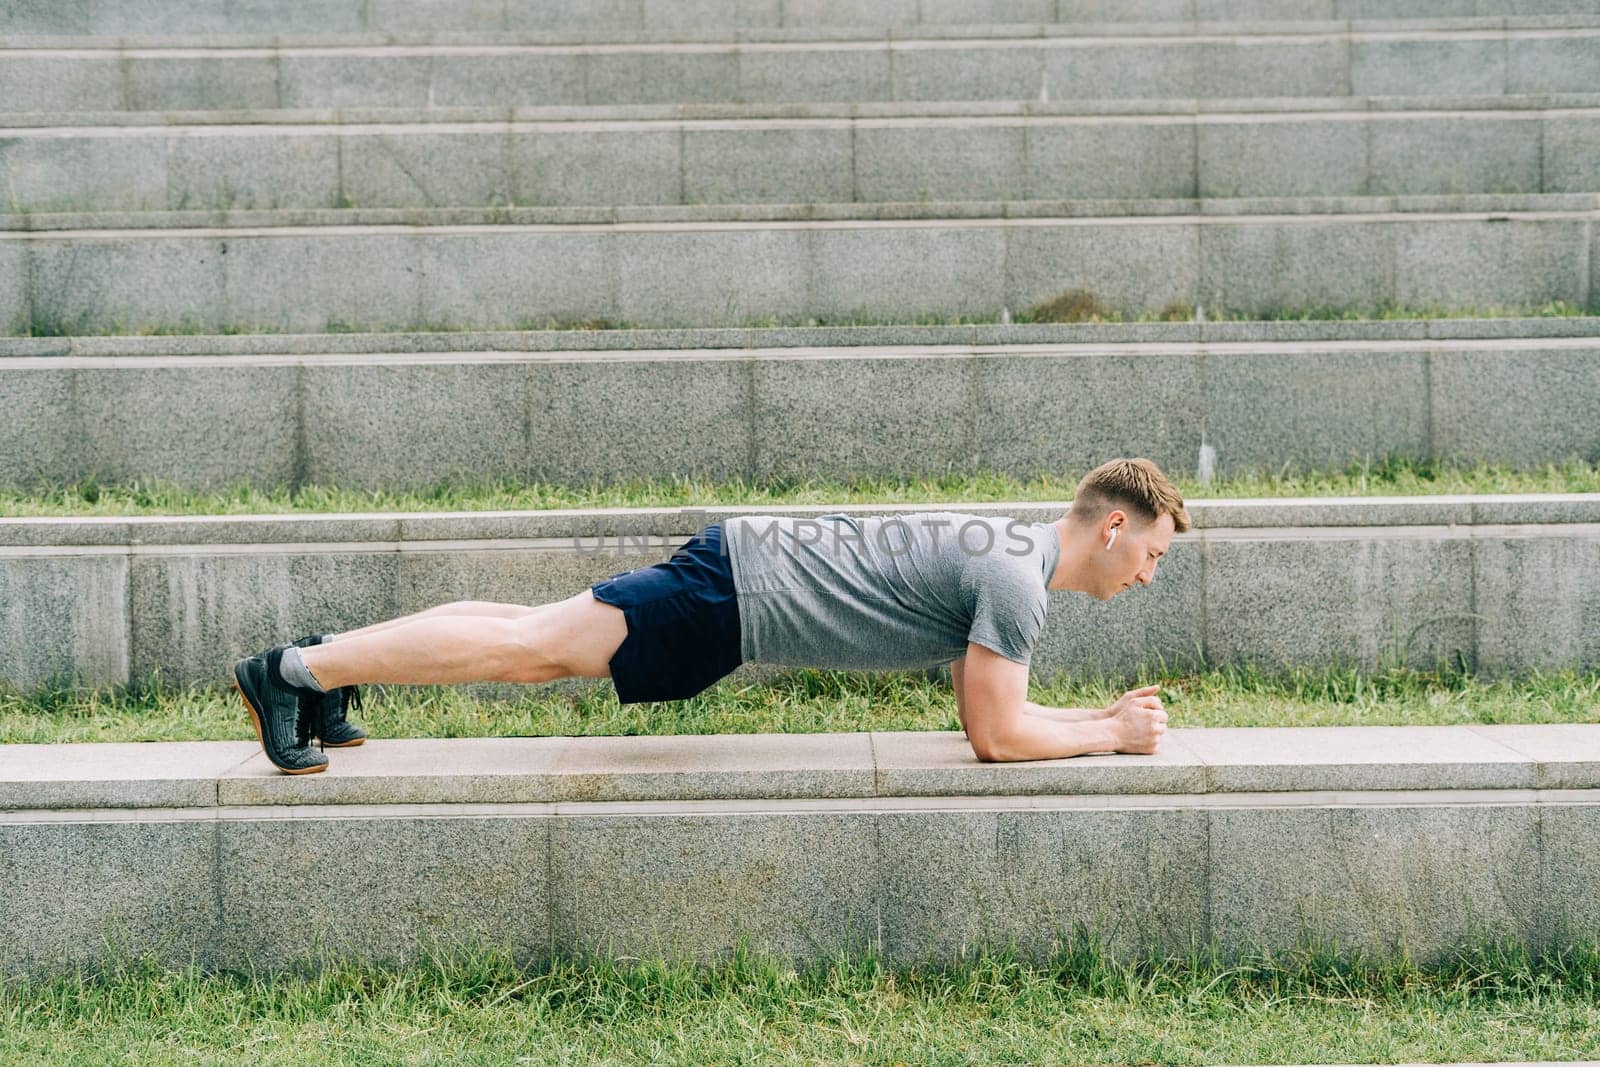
<point>888,591</point>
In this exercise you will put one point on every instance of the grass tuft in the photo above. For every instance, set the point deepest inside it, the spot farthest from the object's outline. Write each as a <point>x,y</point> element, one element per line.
<point>1078,1002</point>
<point>1387,476</point>
<point>818,701</point>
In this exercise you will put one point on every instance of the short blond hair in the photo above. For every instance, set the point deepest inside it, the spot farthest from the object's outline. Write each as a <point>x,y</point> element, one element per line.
<point>1135,485</point>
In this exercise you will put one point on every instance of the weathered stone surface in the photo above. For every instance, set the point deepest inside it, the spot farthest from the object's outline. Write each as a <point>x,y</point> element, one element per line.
<point>1314,411</point>
<point>550,769</point>
<point>1271,266</point>
<point>255,171</point>
<point>1324,597</point>
<point>1401,67</point>
<point>1443,156</point>
<point>627,166</point>
<point>942,763</point>
<point>32,82</point>
<point>179,774</point>
<point>961,881</point>
<point>1516,262</point>
<point>1110,160</point>
<point>402,424</point>
<point>81,893</point>
<point>1565,755</point>
<point>886,417</point>
<point>1127,268</point>
<point>722,766</point>
<point>186,423</point>
<point>1307,834</point>
<point>381,888</point>
<point>1539,597</point>
<point>461,770</point>
<point>123,173</point>
<point>1374,879</point>
<point>1042,414</point>
<point>789,165</point>
<point>730,272</point>
<point>121,284</point>
<point>1355,758</point>
<point>41,435</point>
<point>907,159</point>
<point>64,617</point>
<point>419,167</point>
<point>1514,404</point>
<point>1318,157</point>
<point>195,614</point>
<point>795,885</point>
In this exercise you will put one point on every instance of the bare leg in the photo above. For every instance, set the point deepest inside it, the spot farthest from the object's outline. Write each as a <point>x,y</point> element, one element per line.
<point>573,637</point>
<point>482,608</point>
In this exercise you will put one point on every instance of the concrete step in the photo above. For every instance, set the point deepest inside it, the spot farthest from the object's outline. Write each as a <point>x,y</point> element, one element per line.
<point>1424,149</point>
<point>842,337</point>
<point>610,36</point>
<point>88,17</point>
<point>679,768</point>
<point>804,844</point>
<point>865,109</point>
<point>1520,58</point>
<point>666,266</point>
<point>1357,582</point>
<point>922,407</point>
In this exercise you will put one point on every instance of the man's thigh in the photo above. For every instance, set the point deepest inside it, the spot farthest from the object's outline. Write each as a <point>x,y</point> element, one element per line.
<point>578,635</point>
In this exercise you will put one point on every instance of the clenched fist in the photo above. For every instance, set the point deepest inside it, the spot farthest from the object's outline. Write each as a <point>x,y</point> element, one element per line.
<point>1138,720</point>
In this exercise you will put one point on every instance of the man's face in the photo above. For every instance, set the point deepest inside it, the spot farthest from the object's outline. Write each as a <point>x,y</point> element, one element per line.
<point>1135,550</point>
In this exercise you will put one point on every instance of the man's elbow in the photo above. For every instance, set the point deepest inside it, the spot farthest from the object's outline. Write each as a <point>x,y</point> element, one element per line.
<point>988,747</point>
<point>994,734</point>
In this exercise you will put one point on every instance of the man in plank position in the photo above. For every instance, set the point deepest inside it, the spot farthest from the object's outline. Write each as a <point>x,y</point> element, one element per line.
<point>878,593</point>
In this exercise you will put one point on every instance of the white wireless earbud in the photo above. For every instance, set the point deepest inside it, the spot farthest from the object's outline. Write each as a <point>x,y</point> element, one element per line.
<point>1112,539</point>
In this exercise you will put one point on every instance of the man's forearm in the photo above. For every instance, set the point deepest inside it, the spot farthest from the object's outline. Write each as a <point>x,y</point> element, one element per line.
<point>1063,714</point>
<point>1034,737</point>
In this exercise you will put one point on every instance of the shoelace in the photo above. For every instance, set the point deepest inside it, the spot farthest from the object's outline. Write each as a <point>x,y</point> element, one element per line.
<point>312,723</point>
<point>315,723</point>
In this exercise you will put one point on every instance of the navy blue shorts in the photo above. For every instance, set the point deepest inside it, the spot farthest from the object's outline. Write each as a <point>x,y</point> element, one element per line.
<point>683,622</point>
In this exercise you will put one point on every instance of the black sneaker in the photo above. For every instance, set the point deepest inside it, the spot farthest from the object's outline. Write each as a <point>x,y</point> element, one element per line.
<point>322,715</point>
<point>275,711</point>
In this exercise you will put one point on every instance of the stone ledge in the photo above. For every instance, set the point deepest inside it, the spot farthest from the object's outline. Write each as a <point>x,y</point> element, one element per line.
<point>701,167</point>
<point>914,877</point>
<point>378,277</point>
<point>359,19</point>
<point>751,338</point>
<point>976,32</point>
<point>579,416</point>
<point>352,222</point>
<point>778,113</point>
<point>836,766</point>
<point>1279,517</point>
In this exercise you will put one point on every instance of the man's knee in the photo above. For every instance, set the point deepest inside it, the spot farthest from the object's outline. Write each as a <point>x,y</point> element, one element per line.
<point>576,637</point>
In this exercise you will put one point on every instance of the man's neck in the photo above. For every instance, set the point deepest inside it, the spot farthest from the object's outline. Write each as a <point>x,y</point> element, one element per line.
<point>1065,576</point>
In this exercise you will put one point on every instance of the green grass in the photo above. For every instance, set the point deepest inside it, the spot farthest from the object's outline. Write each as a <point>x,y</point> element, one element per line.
<point>1072,306</point>
<point>1388,477</point>
<point>815,701</point>
<point>1493,1001</point>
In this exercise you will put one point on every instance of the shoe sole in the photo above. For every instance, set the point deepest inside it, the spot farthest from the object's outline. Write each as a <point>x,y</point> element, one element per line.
<point>255,720</point>
<point>342,744</point>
